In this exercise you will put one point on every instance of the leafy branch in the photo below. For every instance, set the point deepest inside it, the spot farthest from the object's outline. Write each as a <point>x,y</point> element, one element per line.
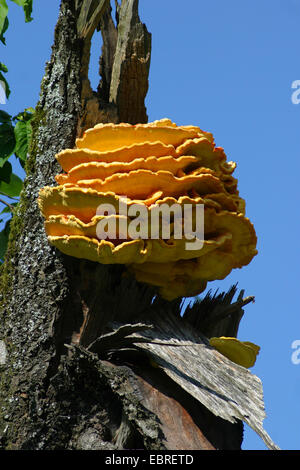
<point>15,136</point>
<point>4,23</point>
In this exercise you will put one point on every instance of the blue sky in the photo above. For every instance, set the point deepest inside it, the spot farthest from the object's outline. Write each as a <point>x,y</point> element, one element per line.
<point>227,67</point>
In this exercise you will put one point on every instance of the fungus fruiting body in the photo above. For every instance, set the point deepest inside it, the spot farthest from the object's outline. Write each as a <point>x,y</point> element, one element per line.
<point>137,172</point>
<point>243,353</point>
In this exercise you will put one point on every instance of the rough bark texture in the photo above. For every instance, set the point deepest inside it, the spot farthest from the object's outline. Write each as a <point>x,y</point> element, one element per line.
<point>58,388</point>
<point>129,79</point>
<point>35,285</point>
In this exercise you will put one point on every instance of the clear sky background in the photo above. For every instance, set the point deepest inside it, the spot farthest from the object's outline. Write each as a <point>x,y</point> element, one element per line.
<point>226,66</point>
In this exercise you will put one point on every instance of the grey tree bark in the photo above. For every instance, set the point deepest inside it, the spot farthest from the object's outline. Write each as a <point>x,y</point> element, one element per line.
<point>60,386</point>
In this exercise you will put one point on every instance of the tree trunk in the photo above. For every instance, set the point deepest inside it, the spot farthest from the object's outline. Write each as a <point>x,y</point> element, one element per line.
<point>56,391</point>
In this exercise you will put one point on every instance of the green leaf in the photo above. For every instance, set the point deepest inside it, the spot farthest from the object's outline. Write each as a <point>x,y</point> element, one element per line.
<point>27,7</point>
<point>4,28</point>
<point>13,188</point>
<point>23,132</point>
<point>3,15</point>
<point>4,117</point>
<point>28,10</point>
<point>3,68</point>
<point>25,115</point>
<point>7,142</point>
<point>4,234</point>
<point>23,135</point>
<point>5,172</point>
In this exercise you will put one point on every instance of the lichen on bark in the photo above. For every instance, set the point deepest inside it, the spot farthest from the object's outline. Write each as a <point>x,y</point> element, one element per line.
<point>33,280</point>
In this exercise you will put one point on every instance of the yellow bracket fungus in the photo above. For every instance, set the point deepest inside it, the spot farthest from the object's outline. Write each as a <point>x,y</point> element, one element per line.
<point>102,170</point>
<point>149,166</point>
<point>243,353</point>
<point>105,137</point>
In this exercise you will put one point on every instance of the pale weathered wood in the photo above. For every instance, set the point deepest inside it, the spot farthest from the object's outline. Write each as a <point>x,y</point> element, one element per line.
<point>124,64</point>
<point>225,388</point>
<point>90,12</point>
<point>129,80</point>
<point>109,35</point>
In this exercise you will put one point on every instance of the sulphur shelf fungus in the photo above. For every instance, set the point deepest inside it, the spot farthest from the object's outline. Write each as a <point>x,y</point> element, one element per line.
<point>243,353</point>
<point>131,194</point>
